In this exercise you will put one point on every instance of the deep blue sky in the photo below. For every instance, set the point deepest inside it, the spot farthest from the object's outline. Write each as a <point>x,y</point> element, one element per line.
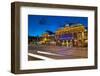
<point>38,24</point>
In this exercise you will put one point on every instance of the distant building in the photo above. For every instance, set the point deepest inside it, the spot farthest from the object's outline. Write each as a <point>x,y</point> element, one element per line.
<point>47,38</point>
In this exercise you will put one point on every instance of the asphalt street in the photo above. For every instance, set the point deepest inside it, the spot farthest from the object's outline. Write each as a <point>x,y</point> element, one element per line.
<point>43,52</point>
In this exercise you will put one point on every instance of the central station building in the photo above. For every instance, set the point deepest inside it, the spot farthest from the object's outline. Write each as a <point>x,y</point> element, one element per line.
<point>74,35</point>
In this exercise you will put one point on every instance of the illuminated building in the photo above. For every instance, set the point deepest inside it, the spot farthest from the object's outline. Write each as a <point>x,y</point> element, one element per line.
<point>74,35</point>
<point>45,38</point>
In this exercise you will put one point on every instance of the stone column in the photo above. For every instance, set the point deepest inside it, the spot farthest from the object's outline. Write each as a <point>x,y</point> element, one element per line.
<point>82,39</point>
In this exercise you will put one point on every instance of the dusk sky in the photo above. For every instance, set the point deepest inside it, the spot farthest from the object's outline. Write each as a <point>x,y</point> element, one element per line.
<point>39,24</point>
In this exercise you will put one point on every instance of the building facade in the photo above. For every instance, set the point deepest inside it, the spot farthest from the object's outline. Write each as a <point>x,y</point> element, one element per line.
<point>74,35</point>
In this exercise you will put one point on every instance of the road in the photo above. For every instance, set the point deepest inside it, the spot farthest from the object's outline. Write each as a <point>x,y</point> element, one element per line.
<point>43,52</point>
